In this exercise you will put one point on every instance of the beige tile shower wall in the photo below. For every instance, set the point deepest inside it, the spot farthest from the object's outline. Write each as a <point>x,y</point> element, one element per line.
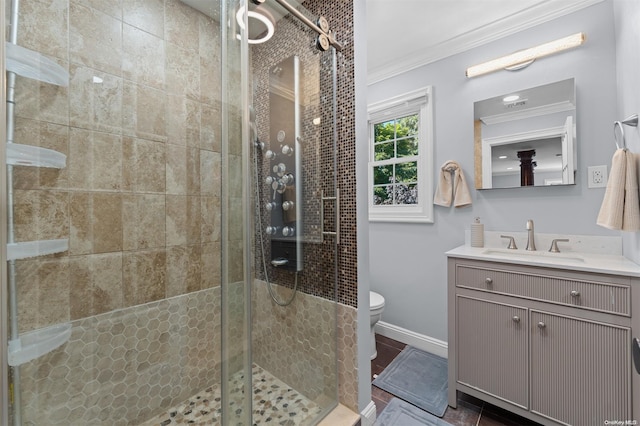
<point>296,343</point>
<point>125,366</point>
<point>139,199</point>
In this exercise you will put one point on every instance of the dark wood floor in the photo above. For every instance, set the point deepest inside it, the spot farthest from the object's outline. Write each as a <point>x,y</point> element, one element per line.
<point>470,411</point>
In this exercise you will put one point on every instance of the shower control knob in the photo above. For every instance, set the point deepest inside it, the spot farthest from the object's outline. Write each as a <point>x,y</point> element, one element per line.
<point>271,230</point>
<point>287,150</point>
<point>278,186</point>
<point>287,179</point>
<point>287,205</point>
<point>269,180</point>
<point>270,155</point>
<point>270,206</point>
<point>288,231</point>
<point>280,169</point>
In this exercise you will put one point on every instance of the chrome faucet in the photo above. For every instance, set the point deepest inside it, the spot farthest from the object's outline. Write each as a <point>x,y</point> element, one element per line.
<point>531,241</point>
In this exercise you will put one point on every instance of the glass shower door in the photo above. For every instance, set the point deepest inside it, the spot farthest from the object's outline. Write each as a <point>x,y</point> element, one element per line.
<point>283,85</point>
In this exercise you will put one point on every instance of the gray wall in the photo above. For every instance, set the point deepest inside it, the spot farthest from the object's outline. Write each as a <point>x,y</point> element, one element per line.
<point>407,261</point>
<point>627,16</point>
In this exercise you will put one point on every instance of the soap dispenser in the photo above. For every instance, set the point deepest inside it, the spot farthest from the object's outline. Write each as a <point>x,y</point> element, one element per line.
<point>477,233</point>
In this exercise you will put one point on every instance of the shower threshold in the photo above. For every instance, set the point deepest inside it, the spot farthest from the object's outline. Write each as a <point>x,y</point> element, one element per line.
<point>274,402</point>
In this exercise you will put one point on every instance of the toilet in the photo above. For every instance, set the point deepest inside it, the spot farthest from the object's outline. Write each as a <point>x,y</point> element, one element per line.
<point>376,306</point>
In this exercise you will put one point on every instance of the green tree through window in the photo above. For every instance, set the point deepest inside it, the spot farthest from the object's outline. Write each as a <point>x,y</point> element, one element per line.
<point>395,169</point>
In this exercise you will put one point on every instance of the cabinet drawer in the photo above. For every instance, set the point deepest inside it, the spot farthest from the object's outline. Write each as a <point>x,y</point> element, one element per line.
<point>592,295</point>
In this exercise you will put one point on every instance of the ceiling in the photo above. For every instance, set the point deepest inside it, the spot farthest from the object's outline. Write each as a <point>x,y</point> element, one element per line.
<point>406,34</point>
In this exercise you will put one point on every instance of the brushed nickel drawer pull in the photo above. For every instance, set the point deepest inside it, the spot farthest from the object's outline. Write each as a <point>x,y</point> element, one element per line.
<point>488,281</point>
<point>541,325</point>
<point>575,293</point>
<point>516,318</point>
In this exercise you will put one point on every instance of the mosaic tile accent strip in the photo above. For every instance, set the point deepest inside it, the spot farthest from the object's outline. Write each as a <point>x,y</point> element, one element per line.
<point>292,37</point>
<point>274,403</point>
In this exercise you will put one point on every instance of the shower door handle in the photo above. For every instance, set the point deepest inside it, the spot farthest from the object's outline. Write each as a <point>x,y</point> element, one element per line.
<point>337,200</point>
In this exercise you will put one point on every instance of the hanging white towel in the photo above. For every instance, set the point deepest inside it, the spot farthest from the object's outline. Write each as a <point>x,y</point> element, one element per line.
<point>620,208</point>
<point>449,188</point>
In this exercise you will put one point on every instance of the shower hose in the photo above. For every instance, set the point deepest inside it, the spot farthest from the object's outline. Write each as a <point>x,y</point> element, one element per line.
<point>261,238</point>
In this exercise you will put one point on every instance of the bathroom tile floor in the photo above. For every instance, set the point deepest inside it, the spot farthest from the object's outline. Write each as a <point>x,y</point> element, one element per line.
<point>274,402</point>
<point>470,411</point>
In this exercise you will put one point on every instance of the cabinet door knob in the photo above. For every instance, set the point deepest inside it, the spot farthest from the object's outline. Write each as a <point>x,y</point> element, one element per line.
<point>516,318</point>
<point>575,293</point>
<point>488,280</point>
<point>541,325</point>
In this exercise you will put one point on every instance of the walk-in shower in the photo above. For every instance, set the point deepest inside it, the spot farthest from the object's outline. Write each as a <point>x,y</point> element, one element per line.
<point>171,212</point>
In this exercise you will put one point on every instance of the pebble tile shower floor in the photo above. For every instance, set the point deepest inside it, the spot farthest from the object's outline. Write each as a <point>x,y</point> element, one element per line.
<point>274,403</point>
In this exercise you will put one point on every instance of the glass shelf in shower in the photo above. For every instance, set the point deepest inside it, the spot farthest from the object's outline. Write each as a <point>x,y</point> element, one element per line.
<point>34,344</point>
<point>27,249</point>
<point>31,64</point>
<point>34,156</point>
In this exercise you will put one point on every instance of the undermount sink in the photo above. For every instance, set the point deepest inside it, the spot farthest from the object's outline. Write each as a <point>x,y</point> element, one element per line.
<point>531,255</point>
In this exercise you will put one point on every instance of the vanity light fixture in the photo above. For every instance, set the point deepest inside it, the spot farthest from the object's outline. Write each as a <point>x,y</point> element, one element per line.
<point>267,21</point>
<point>524,57</point>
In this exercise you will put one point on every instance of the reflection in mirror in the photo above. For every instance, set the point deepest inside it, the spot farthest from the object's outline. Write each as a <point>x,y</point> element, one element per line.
<point>526,137</point>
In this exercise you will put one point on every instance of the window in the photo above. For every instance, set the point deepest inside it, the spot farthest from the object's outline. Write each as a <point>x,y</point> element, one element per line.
<point>400,159</point>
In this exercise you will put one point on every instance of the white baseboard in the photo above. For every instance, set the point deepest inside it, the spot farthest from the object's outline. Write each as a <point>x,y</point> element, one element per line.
<point>417,340</point>
<point>368,415</point>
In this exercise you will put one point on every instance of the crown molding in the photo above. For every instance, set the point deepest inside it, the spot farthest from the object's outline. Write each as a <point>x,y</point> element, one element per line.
<point>528,18</point>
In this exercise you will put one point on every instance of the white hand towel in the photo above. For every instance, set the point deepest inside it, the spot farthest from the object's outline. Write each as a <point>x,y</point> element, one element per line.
<point>449,188</point>
<point>620,208</point>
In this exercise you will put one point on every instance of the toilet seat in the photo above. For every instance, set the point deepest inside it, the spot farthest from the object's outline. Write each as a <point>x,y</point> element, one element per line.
<point>376,301</point>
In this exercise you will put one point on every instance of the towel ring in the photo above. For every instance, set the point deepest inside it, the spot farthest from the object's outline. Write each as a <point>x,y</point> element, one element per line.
<point>629,121</point>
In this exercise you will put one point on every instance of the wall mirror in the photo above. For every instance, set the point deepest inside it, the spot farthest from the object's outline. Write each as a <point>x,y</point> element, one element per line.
<point>526,137</point>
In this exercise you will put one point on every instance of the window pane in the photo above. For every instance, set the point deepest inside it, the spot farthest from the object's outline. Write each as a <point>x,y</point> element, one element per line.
<point>383,151</point>
<point>407,147</point>
<point>382,174</point>
<point>384,131</point>
<point>406,194</point>
<point>382,195</point>
<point>407,172</point>
<point>407,126</point>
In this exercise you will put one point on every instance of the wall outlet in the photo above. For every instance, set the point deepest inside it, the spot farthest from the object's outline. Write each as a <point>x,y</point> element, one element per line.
<point>597,176</point>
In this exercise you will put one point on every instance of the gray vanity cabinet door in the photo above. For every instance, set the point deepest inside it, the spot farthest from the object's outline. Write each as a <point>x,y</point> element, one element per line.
<point>491,343</point>
<point>580,370</point>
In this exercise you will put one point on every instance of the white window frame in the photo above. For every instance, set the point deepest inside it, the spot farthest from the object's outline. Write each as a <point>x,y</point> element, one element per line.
<point>421,102</point>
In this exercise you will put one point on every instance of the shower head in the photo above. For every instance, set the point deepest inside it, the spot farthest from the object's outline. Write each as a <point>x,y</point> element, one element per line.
<point>261,23</point>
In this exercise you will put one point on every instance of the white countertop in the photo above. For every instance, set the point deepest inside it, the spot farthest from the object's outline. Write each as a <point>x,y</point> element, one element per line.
<point>576,261</point>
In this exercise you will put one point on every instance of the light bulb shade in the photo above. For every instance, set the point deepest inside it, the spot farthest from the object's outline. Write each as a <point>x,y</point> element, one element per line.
<point>527,55</point>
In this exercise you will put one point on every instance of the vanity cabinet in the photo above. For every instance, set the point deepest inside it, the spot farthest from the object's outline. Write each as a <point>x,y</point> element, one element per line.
<point>550,344</point>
